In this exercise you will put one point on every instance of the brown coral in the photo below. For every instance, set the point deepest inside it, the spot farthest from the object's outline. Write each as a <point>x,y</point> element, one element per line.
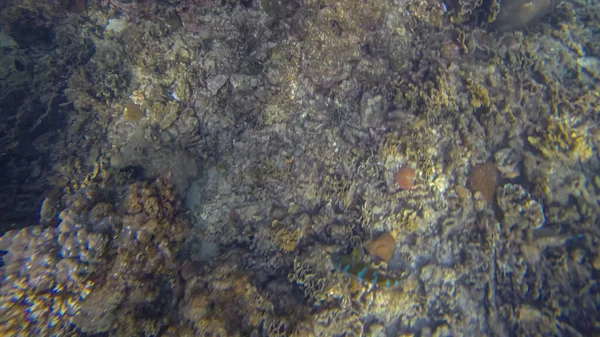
<point>483,179</point>
<point>405,177</point>
<point>382,247</point>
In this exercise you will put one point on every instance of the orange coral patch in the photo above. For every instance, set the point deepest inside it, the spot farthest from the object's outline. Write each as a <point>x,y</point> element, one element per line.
<point>405,177</point>
<point>383,246</point>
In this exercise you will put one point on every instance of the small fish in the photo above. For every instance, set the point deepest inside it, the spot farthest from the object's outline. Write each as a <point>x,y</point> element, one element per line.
<point>352,266</point>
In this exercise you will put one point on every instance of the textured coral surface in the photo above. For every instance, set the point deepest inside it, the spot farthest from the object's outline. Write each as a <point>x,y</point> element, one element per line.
<point>299,168</point>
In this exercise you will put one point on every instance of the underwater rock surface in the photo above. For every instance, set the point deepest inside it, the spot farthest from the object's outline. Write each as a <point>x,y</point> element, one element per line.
<point>300,168</point>
<point>516,14</point>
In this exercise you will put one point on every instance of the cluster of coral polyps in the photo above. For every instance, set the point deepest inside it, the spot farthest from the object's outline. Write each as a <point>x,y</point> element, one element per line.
<point>46,276</point>
<point>53,277</point>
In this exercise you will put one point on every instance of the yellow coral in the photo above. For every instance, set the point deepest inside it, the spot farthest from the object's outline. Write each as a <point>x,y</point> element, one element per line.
<point>288,239</point>
<point>563,140</point>
<point>51,314</point>
<point>479,94</point>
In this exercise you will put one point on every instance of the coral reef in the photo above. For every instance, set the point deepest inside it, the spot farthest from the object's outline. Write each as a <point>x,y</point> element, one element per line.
<point>300,168</point>
<point>45,279</point>
<point>96,271</point>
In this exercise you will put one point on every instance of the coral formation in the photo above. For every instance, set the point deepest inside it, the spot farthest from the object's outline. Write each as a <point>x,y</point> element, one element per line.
<point>45,279</point>
<point>564,141</point>
<point>371,168</point>
<point>383,246</point>
<point>63,278</point>
<point>483,179</point>
<point>405,177</point>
